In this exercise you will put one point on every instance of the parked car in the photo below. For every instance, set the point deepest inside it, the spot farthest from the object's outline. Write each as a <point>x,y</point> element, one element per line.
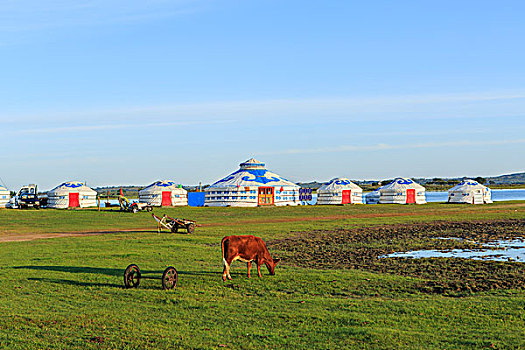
<point>25,198</point>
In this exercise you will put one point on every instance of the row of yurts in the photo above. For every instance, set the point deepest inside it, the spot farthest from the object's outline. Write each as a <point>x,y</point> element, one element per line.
<point>253,185</point>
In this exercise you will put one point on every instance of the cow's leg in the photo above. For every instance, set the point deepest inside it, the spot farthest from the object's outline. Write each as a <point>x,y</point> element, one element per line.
<point>226,272</point>
<point>249,263</point>
<point>258,268</point>
<point>225,269</point>
<point>229,261</point>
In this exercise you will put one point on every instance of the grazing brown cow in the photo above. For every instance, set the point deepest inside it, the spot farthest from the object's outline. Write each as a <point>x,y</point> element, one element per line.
<point>247,249</point>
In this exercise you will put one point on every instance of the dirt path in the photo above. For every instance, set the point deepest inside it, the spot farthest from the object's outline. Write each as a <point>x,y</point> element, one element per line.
<point>20,237</point>
<point>15,237</point>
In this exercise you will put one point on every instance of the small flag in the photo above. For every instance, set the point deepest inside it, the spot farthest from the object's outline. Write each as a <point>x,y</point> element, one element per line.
<point>282,189</point>
<point>121,193</point>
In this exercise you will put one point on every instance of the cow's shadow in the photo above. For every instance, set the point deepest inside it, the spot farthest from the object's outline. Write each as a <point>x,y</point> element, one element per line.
<point>199,273</point>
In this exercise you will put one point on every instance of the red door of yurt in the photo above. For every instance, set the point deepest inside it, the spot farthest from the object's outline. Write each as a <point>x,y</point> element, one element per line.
<point>347,197</point>
<point>411,196</point>
<point>166,198</point>
<point>73,200</point>
<point>266,196</point>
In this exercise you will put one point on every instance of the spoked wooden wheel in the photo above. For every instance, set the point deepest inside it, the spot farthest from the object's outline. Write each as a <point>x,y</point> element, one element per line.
<point>190,228</point>
<point>132,276</point>
<point>169,278</point>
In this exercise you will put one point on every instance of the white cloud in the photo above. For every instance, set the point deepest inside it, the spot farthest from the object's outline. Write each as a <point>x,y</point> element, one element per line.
<point>382,146</point>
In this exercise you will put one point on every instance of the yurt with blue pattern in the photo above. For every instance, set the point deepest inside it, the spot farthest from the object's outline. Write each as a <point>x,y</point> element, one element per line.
<point>251,186</point>
<point>339,191</point>
<point>373,197</point>
<point>4,196</point>
<point>402,191</point>
<point>71,194</point>
<point>470,192</point>
<point>164,194</point>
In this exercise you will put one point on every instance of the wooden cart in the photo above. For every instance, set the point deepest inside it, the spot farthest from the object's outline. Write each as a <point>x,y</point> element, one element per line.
<point>174,224</point>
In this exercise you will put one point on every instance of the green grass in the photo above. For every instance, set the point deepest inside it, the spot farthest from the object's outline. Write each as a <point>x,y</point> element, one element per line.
<point>67,292</point>
<point>52,221</point>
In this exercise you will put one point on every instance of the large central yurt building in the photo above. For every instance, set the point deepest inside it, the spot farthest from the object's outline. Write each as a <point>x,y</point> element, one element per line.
<point>339,191</point>
<point>71,194</point>
<point>402,191</point>
<point>250,186</point>
<point>4,196</point>
<point>471,192</point>
<point>164,193</point>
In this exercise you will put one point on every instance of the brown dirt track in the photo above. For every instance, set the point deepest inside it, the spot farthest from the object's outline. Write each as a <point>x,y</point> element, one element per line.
<point>21,237</point>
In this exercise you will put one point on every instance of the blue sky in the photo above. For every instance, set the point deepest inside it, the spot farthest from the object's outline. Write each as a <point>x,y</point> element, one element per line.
<point>128,92</point>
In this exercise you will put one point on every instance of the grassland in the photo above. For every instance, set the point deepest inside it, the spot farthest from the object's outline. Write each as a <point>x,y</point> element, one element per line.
<point>67,292</point>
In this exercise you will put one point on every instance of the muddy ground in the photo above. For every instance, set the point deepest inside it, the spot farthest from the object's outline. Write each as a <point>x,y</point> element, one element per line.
<point>361,248</point>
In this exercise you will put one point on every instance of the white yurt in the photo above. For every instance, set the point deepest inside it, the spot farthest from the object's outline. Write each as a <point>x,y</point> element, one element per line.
<point>4,196</point>
<point>471,192</point>
<point>339,191</point>
<point>71,194</point>
<point>373,197</point>
<point>402,191</point>
<point>250,186</point>
<point>164,193</point>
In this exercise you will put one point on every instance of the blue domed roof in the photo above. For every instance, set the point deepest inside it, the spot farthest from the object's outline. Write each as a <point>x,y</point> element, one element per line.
<point>252,173</point>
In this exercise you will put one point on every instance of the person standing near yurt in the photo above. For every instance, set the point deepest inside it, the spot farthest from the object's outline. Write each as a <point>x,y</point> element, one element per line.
<point>402,191</point>
<point>71,194</point>
<point>470,192</point>
<point>339,191</point>
<point>5,195</point>
<point>251,186</point>
<point>164,193</point>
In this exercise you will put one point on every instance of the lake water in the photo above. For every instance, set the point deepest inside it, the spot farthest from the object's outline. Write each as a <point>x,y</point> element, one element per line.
<point>497,195</point>
<point>502,250</point>
<point>442,196</point>
<point>115,201</point>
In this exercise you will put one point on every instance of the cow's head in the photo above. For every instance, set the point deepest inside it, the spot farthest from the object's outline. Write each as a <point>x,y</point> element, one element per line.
<point>270,264</point>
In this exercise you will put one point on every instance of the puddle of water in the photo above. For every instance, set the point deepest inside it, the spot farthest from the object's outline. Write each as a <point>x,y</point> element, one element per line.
<point>457,239</point>
<point>502,250</point>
